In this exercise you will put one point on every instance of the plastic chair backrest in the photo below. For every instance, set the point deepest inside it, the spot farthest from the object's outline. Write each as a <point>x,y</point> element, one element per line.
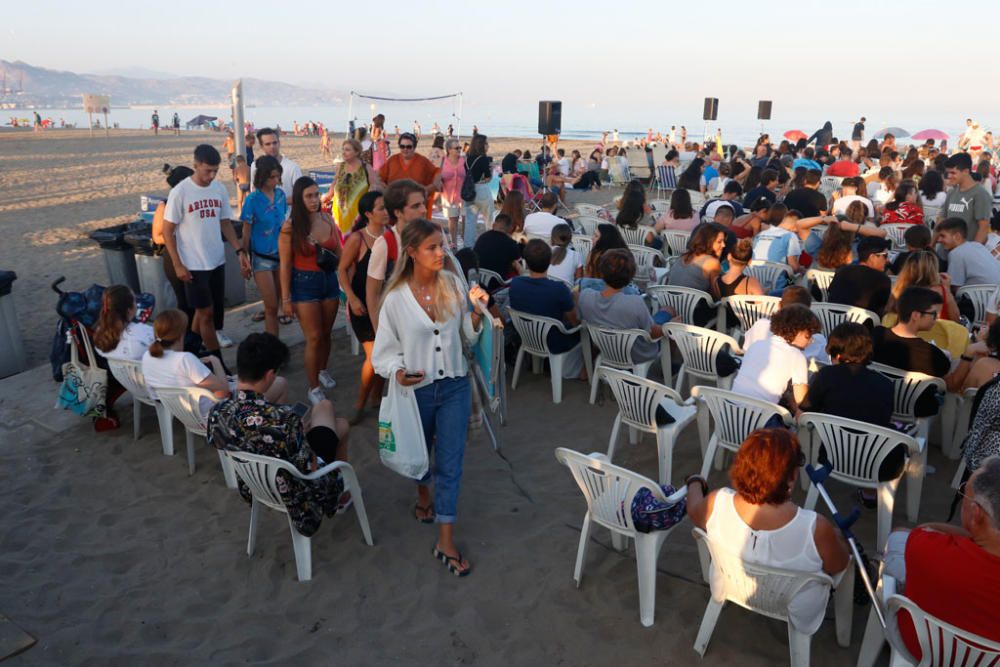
<point>260,474</point>
<point>589,223</point>
<point>822,278</point>
<point>699,347</point>
<point>636,236</point>
<point>941,644</point>
<point>644,256</point>
<point>184,403</point>
<point>894,231</point>
<point>589,210</point>
<point>659,205</point>
<point>767,273</point>
<point>638,398</point>
<point>736,416</point>
<point>583,244</point>
<point>981,296</point>
<point>607,488</point>
<point>615,345</point>
<point>533,330</point>
<point>490,280</point>
<point>854,448</point>
<point>907,388</point>
<point>676,241</point>
<point>832,314</point>
<point>129,375</point>
<point>697,199</point>
<point>681,300</point>
<point>748,308</point>
<point>760,588</point>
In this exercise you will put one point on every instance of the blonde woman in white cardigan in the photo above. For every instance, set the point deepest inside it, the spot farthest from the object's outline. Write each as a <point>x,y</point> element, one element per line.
<point>423,318</point>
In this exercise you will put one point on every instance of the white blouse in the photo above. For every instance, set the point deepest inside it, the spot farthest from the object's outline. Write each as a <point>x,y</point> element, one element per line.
<point>408,338</point>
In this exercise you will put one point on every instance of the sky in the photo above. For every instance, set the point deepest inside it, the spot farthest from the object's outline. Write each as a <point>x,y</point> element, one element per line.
<point>840,58</point>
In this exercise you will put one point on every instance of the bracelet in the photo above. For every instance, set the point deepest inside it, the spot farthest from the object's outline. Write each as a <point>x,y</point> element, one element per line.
<point>241,250</point>
<point>701,480</point>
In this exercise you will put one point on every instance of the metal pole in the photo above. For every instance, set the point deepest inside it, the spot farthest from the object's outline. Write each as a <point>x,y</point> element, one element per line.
<point>239,124</point>
<point>459,116</point>
<point>350,113</point>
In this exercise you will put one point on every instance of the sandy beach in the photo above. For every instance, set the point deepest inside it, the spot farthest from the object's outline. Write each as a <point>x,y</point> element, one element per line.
<point>58,186</point>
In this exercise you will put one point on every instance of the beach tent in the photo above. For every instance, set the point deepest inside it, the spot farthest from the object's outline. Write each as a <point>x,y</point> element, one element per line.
<point>200,121</point>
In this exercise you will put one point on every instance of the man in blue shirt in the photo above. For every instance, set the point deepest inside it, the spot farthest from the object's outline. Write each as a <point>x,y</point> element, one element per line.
<point>807,160</point>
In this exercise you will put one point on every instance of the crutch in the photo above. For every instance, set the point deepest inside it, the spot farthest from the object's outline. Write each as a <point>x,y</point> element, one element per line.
<point>818,476</point>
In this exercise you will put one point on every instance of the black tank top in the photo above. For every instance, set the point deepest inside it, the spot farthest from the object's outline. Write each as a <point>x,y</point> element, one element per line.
<point>729,290</point>
<point>359,281</point>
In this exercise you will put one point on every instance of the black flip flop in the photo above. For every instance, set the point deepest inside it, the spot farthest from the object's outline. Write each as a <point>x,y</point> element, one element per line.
<point>423,508</point>
<point>451,562</point>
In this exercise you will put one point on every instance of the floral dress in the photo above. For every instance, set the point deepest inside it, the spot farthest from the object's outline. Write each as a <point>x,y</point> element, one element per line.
<point>249,423</point>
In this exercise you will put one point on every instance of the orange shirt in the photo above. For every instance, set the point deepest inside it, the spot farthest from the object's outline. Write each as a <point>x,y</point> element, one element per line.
<point>419,169</point>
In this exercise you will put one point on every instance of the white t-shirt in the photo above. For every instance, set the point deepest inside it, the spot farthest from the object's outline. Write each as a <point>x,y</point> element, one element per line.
<point>564,166</point>
<point>290,172</point>
<point>173,369</point>
<point>767,367</point>
<point>937,200</point>
<point>566,269</point>
<point>135,339</point>
<point>840,206</point>
<point>197,211</point>
<point>761,329</point>
<point>541,224</point>
<point>776,245</point>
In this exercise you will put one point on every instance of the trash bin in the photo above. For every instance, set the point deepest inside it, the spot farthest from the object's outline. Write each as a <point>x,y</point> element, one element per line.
<point>236,287</point>
<point>12,357</point>
<point>118,256</point>
<point>149,260</point>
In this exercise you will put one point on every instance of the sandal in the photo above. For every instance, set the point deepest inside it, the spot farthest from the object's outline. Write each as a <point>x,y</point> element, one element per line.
<point>452,562</point>
<point>428,510</point>
<point>257,317</point>
<point>285,319</point>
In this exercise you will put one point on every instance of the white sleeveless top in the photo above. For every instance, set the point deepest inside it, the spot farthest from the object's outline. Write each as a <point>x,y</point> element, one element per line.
<point>791,547</point>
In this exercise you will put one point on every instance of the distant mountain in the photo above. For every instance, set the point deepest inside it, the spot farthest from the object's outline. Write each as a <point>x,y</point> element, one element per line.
<point>29,86</point>
<point>136,73</point>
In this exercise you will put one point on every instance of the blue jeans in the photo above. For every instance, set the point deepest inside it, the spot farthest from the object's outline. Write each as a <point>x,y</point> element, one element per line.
<point>482,204</point>
<point>445,406</point>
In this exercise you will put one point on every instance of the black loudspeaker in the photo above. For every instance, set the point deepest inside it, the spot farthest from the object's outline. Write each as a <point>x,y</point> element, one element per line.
<point>711,108</point>
<point>764,110</point>
<point>549,117</point>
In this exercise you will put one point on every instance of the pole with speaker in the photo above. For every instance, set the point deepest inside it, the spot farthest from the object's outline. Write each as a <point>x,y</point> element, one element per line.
<point>711,112</point>
<point>549,126</point>
<point>763,113</point>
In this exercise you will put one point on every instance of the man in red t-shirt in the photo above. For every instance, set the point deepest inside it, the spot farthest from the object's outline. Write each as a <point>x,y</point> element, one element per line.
<point>844,167</point>
<point>953,573</point>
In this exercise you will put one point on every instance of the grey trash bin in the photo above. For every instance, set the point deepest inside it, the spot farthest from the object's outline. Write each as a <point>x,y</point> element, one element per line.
<point>118,256</point>
<point>149,265</point>
<point>236,288</point>
<point>12,357</point>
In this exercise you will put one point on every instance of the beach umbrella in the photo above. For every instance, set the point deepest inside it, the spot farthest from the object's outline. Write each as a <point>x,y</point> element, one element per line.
<point>936,135</point>
<point>795,135</point>
<point>894,131</point>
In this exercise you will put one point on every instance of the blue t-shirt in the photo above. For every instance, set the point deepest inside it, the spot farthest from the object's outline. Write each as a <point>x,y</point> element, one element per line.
<point>710,173</point>
<point>807,163</point>
<point>265,219</point>
<point>545,298</point>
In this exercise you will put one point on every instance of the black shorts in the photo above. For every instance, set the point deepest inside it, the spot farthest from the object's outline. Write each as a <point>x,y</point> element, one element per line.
<point>206,288</point>
<point>323,440</point>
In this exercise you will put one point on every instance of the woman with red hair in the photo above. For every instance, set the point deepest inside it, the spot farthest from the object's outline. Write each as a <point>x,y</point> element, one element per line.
<point>757,521</point>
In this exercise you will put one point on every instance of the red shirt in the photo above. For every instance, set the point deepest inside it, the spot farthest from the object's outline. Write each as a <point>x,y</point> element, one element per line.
<point>953,579</point>
<point>843,168</point>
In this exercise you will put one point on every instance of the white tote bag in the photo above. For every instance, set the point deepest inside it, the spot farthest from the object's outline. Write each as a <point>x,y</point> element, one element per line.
<point>84,385</point>
<point>401,444</point>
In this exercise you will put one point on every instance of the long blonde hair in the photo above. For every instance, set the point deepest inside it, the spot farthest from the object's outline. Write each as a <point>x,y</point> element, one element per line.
<point>921,269</point>
<point>447,298</point>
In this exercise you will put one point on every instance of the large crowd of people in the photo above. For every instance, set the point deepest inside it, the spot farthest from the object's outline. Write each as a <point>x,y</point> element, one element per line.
<point>383,239</point>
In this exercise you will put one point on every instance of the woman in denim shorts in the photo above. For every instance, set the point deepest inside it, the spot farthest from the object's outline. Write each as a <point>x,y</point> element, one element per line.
<point>313,291</point>
<point>263,213</point>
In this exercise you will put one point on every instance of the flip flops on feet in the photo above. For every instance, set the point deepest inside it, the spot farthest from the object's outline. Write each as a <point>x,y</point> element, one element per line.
<point>453,563</point>
<point>423,513</point>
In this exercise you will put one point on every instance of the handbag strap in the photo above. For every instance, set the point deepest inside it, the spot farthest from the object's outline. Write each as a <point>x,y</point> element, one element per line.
<point>88,348</point>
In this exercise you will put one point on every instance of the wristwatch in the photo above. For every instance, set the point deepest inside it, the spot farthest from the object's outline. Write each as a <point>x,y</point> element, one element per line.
<point>697,478</point>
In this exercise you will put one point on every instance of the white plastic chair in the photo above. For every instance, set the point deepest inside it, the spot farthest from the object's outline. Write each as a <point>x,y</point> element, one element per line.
<point>615,351</point>
<point>735,417</point>
<point>636,236</point>
<point>638,399</point>
<point>931,214</point>
<point>681,300</point>
<point>908,387</point>
<point>697,199</point>
<point>981,296</point>
<point>856,449</point>
<point>830,184</point>
<point>609,491</point>
<point>589,223</point>
<point>583,243</point>
<point>260,474</point>
<point>184,403</point>
<point>768,591</point>
<point>675,241</point>
<point>659,205</point>
<point>699,347</point>
<point>748,308</point>
<point>645,256</point>
<point>768,273</point>
<point>832,314</point>
<point>822,279</point>
<point>488,280</point>
<point>591,210</point>
<point>956,414</point>
<point>894,232</point>
<point>940,643</point>
<point>129,375</point>
<point>534,332</point>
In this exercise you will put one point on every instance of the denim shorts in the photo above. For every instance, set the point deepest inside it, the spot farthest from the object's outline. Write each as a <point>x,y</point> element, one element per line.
<point>263,263</point>
<point>314,286</point>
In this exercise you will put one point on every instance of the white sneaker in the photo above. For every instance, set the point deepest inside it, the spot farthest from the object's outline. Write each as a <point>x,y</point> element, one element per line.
<point>316,395</point>
<point>326,380</point>
<point>224,340</point>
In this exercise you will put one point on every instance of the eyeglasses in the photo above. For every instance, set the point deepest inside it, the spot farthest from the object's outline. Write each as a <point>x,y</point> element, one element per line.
<point>932,313</point>
<point>976,502</point>
<point>406,147</point>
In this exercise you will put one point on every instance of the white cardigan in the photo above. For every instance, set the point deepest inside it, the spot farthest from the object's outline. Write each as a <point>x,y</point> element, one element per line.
<point>408,338</point>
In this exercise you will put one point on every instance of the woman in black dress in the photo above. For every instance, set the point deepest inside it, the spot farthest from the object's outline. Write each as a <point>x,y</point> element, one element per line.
<point>371,224</point>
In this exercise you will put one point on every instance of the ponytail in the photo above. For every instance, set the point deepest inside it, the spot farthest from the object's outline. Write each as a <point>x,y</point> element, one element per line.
<point>168,327</point>
<point>562,236</point>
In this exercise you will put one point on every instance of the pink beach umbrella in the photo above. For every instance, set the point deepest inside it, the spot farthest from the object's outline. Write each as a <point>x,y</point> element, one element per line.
<point>936,135</point>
